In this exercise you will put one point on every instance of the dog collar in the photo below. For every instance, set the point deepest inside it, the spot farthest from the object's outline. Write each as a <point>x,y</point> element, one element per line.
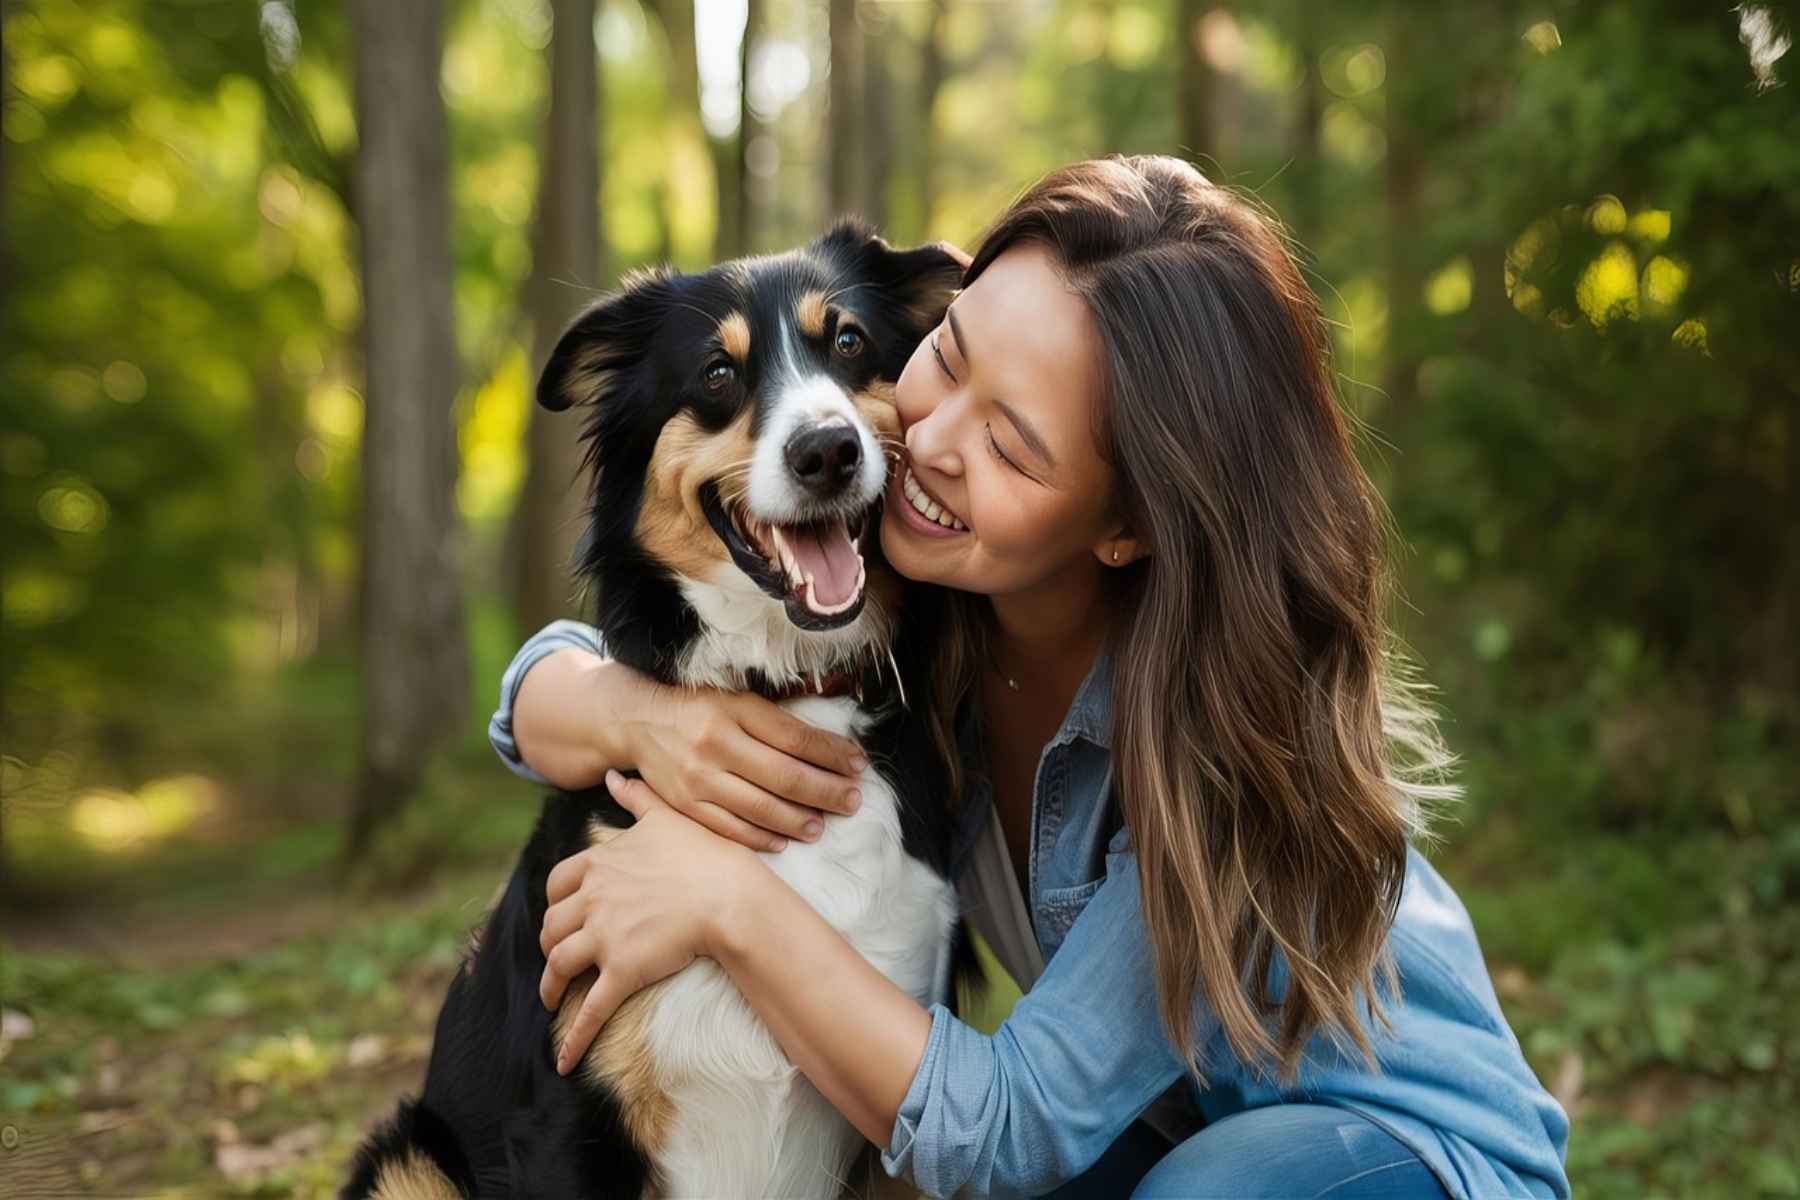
<point>834,683</point>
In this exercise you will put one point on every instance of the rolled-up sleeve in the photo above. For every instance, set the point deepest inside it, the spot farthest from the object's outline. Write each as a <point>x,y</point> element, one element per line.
<point>548,640</point>
<point>1080,1056</point>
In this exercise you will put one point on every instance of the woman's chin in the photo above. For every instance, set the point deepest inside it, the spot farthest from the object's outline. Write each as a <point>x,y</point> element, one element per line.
<point>901,547</point>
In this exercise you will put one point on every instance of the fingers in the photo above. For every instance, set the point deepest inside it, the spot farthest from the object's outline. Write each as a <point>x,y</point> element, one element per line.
<point>728,825</point>
<point>570,957</point>
<point>566,876</point>
<point>602,1000</point>
<point>560,920</point>
<point>796,780</point>
<point>637,798</point>
<point>775,726</point>
<point>762,808</point>
<point>634,795</point>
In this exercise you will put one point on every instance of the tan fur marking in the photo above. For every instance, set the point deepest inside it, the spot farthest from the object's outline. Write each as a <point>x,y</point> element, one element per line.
<point>876,403</point>
<point>599,832</point>
<point>935,295</point>
<point>879,408</point>
<point>620,1057</point>
<point>671,525</point>
<point>734,335</point>
<point>413,1177</point>
<point>811,314</point>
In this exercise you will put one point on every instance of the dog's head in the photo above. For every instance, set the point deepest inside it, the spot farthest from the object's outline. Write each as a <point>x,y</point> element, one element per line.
<point>741,424</point>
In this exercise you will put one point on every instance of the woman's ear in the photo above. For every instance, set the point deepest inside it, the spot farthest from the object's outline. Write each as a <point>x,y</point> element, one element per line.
<point>608,337</point>
<point>1120,549</point>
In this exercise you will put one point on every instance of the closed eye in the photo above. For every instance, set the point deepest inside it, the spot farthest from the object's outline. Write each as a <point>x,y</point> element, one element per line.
<point>944,366</point>
<point>988,430</point>
<point>994,446</point>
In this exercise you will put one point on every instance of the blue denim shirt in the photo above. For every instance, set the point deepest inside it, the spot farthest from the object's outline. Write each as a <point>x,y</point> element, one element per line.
<point>1083,1052</point>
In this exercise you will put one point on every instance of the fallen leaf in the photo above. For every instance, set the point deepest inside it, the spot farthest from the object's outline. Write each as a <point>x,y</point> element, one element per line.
<point>236,1160</point>
<point>365,1049</point>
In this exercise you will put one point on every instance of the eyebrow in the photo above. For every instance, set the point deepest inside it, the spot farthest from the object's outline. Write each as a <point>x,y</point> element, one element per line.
<point>1028,433</point>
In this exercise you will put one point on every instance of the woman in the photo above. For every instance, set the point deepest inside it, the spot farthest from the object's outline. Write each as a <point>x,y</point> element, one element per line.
<point>1170,551</point>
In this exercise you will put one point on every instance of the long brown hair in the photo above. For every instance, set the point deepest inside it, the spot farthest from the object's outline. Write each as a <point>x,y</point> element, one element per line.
<point>1272,751</point>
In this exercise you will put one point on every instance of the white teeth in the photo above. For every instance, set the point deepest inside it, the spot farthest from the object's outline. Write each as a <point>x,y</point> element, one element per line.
<point>930,509</point>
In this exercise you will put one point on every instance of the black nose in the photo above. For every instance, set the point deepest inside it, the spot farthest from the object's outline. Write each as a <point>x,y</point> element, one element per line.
<point>824,457</point>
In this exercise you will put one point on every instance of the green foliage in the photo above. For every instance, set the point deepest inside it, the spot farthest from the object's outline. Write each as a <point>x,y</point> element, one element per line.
<point>182,292</point>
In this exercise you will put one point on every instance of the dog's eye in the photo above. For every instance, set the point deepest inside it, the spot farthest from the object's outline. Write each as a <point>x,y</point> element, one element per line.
<point>718,375</point>
<point>850,342</point>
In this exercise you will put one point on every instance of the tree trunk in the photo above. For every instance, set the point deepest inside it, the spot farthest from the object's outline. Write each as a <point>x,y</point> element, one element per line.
<point>744,217</point>
<point>565,272</point>
<point>931,81</point>
<point>878,123</point>
<point>1404,173</point>
<point>677,20</point>
<point>1306,137</point>
<point>842,193</point>
<point>1195,85</point>
<point>414,667</point>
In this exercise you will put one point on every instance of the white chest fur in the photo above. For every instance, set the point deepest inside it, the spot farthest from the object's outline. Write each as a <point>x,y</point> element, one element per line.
<point>746,1122</point>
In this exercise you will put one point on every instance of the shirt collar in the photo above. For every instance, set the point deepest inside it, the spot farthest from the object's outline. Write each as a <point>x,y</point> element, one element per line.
<point>1090,716</point>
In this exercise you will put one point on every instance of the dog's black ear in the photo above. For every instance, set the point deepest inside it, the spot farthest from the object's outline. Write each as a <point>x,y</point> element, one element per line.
<point>607,338</point>
<point>923,279</point>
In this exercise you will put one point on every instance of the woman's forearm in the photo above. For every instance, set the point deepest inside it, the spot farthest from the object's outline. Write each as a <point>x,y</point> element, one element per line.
<point>565,722</point>
<point>852,1031</point>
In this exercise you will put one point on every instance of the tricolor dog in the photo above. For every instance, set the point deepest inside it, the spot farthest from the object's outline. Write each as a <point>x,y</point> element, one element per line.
<point>740,424</point>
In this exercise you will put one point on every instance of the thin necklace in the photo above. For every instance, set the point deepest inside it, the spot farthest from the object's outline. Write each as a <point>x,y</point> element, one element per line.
<point>1010,681</point>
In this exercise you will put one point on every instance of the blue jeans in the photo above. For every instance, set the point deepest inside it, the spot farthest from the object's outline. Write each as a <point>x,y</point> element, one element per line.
<point>1291,1151</point>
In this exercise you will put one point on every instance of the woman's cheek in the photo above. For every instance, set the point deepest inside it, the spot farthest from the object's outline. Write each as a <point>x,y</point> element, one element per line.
<point>911,397</point>
<point>1023,539</point>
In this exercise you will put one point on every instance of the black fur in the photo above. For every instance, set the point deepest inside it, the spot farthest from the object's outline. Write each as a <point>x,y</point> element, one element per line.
<point>494,1115</point>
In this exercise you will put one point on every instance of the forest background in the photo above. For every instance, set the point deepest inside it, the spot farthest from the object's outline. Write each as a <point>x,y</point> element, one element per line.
<point>275,507</point>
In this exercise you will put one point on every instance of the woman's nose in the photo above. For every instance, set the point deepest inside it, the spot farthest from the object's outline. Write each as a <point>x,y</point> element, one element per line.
<point>931,440</point>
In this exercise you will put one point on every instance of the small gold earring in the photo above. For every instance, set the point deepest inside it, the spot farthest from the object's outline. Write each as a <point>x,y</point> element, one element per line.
<point>1115,554</point>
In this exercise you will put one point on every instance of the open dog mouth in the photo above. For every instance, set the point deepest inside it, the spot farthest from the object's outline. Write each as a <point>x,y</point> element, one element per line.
<point>814,567</point>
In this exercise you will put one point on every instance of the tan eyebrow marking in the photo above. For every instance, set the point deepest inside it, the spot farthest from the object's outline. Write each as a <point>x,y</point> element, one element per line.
<point>734,335</point>
<point>811,312</point>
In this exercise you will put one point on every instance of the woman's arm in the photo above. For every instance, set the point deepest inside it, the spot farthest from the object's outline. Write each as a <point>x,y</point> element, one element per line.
<point>584,643</point>
<point>735,762</point>
<point>859,1038</point>
<point>1037,1103</point>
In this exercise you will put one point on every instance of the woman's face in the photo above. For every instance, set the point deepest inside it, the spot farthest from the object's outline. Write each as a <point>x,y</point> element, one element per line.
<point>997,412</point>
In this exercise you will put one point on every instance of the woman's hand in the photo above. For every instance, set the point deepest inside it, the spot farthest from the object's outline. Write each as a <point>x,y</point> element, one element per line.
<point>640,907</point>
<point>738,764</point>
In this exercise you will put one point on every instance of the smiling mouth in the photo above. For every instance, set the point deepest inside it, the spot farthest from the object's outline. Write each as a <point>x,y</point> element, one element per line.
<point>927,505</point>
<point>814,567</point>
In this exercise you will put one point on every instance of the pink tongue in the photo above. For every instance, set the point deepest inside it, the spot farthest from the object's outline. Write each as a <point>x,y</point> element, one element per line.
<point>825,553</point>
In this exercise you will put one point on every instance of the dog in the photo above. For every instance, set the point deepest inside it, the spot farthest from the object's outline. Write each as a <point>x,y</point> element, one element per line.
<point>741,422</point>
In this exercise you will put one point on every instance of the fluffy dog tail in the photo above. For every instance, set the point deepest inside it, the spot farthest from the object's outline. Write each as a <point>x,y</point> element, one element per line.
<point>413,1155</point>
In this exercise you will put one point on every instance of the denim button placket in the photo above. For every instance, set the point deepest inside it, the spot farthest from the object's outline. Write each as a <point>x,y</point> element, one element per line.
<point>1046,803</point>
